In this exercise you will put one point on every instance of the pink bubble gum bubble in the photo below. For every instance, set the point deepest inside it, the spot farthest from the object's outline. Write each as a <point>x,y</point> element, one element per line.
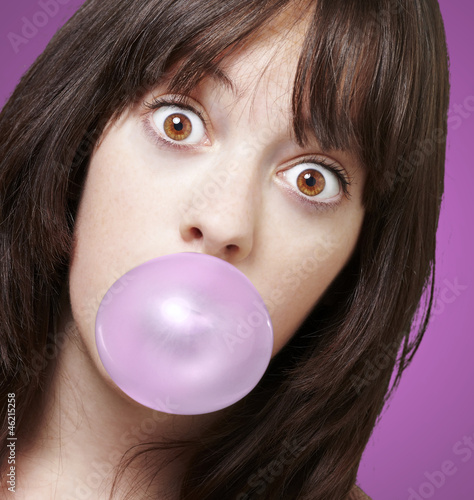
<point>185,333</point>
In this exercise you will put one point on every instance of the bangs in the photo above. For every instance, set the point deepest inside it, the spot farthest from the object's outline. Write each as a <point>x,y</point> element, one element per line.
<point>349,90</point>
<point>339,72</point>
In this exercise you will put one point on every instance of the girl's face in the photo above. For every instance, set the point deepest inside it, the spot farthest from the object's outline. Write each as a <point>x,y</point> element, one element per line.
<point>219,172</point>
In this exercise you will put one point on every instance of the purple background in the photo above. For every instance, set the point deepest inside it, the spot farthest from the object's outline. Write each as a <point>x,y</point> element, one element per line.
<point>421,431</point>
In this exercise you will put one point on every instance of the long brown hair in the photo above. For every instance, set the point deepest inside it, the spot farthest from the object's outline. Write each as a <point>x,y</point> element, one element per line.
<point>372,77</point>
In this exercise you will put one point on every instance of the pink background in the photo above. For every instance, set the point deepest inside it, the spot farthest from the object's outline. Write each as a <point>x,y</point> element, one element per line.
<point>420,448</point>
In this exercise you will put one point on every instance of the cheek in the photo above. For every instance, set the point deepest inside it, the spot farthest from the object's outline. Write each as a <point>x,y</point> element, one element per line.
<point>299,280</point>
<point>91,272</point>
<point>111,233</point>
<point>124,219</point>
<point>103,231</point>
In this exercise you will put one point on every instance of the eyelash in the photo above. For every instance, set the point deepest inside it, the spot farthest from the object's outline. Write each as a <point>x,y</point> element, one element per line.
<point>315,204</point>
<point>180,101</point>
<point>333,167</point>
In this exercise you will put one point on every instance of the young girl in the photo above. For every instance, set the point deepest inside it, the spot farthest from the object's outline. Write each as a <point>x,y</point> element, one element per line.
<point>277,136</point>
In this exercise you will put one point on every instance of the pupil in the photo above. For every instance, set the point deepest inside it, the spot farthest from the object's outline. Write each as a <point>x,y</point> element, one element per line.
<point>178,126</point>
<point>310,180</point>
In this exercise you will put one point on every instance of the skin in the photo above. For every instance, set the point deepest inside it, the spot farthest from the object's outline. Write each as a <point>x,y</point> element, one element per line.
<point>226,195</point>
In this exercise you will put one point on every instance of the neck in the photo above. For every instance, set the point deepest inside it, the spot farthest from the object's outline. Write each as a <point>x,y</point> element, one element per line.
<point>87,426</point>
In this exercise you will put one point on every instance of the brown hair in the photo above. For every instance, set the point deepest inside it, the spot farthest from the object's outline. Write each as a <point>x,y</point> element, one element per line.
<point>373,78</point>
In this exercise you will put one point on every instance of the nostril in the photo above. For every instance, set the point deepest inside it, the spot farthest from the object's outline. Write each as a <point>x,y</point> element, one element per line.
<point>196,233</point>
<point>232,248</point>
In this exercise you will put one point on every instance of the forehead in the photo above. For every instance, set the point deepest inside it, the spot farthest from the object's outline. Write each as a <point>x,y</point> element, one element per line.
<point>269,57</point>
<point>257,77</point>
<point>275,67</point>
<point>268,53</point>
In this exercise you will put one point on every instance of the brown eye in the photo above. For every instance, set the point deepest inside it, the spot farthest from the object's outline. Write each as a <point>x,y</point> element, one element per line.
<point>314,180</point>
<point>311,182</point>
<point>177,124</point>
<point>177,127</point>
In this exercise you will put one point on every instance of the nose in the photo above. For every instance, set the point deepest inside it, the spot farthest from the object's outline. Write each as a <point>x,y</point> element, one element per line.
<point>221,215</point>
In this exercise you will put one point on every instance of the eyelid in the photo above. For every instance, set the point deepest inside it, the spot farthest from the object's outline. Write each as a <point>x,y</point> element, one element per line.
<point>180,101</point>
<point>330,165</point>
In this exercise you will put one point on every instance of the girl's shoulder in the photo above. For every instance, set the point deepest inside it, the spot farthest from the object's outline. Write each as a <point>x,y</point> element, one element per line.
<point>357,494</point>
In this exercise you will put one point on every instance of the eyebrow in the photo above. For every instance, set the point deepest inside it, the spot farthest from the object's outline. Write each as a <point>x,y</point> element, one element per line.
<point>223,79</point>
